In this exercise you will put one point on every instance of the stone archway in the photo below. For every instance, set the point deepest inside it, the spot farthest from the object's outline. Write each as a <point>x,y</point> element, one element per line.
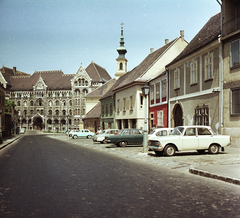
<point>37,123</point>
<point>177,115</point>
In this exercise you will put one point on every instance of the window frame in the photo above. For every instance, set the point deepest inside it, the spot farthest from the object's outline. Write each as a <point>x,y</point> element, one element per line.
<point>177,76</point>
<point>193,72</point>
<point>208,64</point>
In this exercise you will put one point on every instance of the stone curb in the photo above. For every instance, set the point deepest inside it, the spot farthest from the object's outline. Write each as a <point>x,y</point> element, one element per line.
<point>7,142</point>
<point>214,176</point>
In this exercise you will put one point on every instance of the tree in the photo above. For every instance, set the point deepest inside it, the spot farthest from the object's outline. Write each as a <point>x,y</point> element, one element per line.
<point>9,106</point>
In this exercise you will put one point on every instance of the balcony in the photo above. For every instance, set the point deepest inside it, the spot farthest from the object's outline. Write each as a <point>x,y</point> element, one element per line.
<point>231,26</point>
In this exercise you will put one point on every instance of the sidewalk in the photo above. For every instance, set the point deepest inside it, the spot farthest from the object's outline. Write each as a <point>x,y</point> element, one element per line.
<point>225,166</point>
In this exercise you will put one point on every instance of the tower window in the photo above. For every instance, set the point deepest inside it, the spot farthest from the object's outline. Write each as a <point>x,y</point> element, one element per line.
<point>120,66</point>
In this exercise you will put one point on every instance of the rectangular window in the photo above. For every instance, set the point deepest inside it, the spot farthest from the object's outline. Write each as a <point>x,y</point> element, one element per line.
<point>176,79</point>
<point>131,102</point>
<point>157,92</point>
<point>103,110</point>
<point>106,109</point>
<point>235,106</point>
<point>235,50</point>
<point>152,94</point>
<point>209,67</point>
<point>193,72</point>
<point>159,118</point>
<point>151,119</point>
<point>118,105</point>
<point>111,109</point>
<point>202,115</point>
<point>124,104</point>
<point>164,90</point>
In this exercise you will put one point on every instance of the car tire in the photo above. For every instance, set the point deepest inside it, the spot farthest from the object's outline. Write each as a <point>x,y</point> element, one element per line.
<point>169,150</point>
<point>75,136</point>
<point>201,151</point>
<point>213,149</point>
<point>122,144</point>
<point>158,153</point>
<point>89,136</point>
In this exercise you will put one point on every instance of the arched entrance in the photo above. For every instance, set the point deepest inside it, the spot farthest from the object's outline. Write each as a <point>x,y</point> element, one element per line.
<point>177,115</point>
<point>37,123</point>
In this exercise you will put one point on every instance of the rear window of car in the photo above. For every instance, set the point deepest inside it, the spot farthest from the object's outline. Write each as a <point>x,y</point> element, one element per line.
<point>204,131</point>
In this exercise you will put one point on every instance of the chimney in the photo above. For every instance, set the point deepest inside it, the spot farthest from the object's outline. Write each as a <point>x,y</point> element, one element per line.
<point>166,41</point>
<point>182,33</point>
<point>14,70</point>
<point>151,50</point>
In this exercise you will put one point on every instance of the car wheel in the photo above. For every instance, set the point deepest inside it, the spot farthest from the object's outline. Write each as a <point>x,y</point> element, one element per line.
<point>75,136</point>
<point>122,144</point>
<point>169,150</point>
<point>213,149</point>
<point>89,136</point>
<point>158,153</point>
<point>201,151</point>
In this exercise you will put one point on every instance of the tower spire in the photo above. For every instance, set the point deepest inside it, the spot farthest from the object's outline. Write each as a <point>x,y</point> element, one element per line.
<point>121,60</point>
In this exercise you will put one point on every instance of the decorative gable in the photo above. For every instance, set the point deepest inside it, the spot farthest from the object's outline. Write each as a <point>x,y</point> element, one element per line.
<point>40,84</point>
<point>81,74</point>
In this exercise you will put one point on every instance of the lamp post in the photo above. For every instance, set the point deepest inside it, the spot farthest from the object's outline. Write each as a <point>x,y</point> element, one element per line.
<point>67,125</point>
<point>145,91</point>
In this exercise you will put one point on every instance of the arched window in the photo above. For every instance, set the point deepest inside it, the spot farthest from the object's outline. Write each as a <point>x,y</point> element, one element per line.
<point>85,91</point>
<point>31,112</point>
<point>25,112</point>
<point>120,66</point>
<point>70,102</point>
<point>50,112</point>
<point>86,83</point>
<point>57,103</point>
<point>57,112</point>
<point>64,103</point>
<point>25,103</point>
<point>50,103</point>
<point>77,92</point>
<point>63,112</point>
<point>31,103</point>
<point>39,102</point>
<point>19,103</point>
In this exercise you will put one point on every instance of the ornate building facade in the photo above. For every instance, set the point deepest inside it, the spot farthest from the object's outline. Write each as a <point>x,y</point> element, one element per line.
<point>52,100</point>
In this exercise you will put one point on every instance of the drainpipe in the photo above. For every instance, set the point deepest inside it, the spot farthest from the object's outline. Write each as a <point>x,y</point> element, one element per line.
<point>221,73</point>
<point>168,97</point>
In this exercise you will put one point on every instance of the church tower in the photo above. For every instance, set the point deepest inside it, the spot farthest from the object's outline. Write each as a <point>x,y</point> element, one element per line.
<point>121,60</point>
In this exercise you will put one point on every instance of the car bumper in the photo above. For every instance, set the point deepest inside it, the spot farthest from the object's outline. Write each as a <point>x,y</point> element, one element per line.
<point>155,148</point>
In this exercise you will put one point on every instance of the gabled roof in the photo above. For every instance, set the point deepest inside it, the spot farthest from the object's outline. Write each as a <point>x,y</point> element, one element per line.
<point>95,112</point>
<point>55,80</point>
<point>8,72</point>
<point>139,70</point>
<point>111,92</point>
<point>100,91</point>
<point>210,32</point>
<point>97,73</point>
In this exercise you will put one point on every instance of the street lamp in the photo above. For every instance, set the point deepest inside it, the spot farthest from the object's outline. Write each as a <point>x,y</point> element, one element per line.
<point>145,92</point>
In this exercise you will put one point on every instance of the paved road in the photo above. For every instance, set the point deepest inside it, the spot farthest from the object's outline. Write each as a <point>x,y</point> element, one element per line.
<point>44,177</point>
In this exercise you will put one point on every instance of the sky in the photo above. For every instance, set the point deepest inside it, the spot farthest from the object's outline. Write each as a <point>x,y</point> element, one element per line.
<point>44,35</point>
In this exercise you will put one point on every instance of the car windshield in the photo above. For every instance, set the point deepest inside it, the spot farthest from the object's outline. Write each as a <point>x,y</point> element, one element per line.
<point>177,131</point>
<point>152,132</point>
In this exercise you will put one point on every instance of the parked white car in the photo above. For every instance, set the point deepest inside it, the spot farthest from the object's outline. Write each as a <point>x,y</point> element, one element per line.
<point>83,133</point>
<point>185,138</point>
<point>102,137</point>
<point>72,131</point>
<point>160,132</point>
<point>22,130</point>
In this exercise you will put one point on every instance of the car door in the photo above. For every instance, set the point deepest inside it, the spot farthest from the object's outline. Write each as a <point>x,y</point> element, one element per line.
<point>205,137</point>
<point>190,139</point>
